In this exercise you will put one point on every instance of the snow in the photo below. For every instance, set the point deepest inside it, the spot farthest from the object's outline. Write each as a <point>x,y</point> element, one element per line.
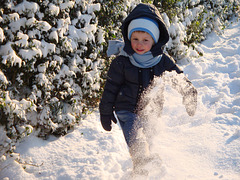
<point>1,35</point>
<point>27,7</point>
<point>29,54</point>
<point>16,25</point>
<point>53,9</point>
<point>66,5</point>
<point>8,54</point>
<point>93,7</point>
<point>205,146</point>
<point>3,78</point>
<point>54,36</point>
<point>43,26</point>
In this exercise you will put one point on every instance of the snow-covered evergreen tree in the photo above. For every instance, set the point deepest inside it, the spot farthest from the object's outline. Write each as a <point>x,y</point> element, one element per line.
<point>51,61</point>
<point>190,21</point>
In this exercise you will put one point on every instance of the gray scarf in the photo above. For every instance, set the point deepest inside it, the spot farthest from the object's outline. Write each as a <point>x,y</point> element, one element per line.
<point>145,60</point>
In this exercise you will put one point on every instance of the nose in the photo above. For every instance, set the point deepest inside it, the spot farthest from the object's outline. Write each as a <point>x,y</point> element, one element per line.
<point>139,43</point>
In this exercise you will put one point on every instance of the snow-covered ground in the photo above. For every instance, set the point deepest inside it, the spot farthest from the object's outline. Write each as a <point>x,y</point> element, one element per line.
<point>203,147</point>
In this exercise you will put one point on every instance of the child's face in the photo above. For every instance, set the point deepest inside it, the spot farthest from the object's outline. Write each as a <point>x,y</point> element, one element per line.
<point>141,42</point>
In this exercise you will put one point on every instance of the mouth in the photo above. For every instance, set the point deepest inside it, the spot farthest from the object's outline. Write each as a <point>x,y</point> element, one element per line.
<point>140,50</point>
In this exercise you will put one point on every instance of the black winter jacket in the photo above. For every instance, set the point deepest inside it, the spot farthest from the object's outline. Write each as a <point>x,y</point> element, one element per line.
<point>125,82</point>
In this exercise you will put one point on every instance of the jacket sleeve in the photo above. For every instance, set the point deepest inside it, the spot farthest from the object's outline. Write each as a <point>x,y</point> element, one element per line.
<point>115,79</point>
<point>183,85</point>
<point>170,64</point>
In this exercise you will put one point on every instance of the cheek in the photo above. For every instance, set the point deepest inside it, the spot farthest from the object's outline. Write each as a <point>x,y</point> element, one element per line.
<point>133,45</point>
<point>149,46</point>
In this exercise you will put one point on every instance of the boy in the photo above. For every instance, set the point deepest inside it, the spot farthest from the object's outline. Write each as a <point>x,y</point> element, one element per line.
<point>132,71</point>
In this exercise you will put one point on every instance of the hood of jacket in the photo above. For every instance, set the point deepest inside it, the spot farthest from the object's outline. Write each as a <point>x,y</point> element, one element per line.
<point>150,11</point>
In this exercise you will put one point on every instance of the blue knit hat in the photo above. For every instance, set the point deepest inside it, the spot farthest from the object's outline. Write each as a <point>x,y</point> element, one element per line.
<point>144,24</point>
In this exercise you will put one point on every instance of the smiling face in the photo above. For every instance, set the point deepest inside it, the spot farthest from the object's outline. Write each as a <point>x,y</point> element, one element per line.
<point>141,42</point>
